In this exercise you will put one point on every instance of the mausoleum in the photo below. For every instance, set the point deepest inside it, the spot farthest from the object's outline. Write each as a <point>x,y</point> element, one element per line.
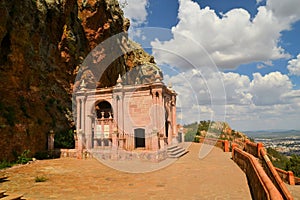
<point>127,120</point>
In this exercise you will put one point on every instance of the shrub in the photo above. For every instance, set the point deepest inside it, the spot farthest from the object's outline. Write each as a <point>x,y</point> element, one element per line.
<point>196,139</point>
<point>64,139</point>
<point>40,179</point>
<point>42,155</point>
<point>23,158</point>
<point>5,164</point>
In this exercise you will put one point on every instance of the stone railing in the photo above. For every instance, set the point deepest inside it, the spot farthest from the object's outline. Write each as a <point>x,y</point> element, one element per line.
<point>257,150</point>
<point>273,175</point>
<point>297,181</point>
<point>239,143</point>
<point>253,148</point>
<point>222,144</point>
<point>286,176</point>
<point>260,184</point>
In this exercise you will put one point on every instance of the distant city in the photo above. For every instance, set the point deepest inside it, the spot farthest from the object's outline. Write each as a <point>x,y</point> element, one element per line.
<point>286,142</point>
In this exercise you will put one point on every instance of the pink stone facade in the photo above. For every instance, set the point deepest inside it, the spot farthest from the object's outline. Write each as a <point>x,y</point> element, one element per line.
<point>126,117</point>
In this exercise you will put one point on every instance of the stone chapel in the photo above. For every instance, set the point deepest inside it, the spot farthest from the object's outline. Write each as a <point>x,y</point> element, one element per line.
<point>127,120</point>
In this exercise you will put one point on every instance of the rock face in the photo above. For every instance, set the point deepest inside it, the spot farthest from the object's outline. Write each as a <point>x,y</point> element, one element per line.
<point>42,45</point>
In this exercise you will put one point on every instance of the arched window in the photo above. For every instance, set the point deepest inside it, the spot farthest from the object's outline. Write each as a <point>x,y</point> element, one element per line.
<point>103,108</point>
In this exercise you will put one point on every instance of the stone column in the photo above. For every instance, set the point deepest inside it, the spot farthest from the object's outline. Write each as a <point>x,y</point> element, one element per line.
<point>102,131</point>
<point>233,146</point>
<point>114,136</point>
<point>174,122</point>
<point>291,178</point>
<point>88,132</point>
<point>78,107</point>
<point>75,139</point>
<point>154,142</point>
<point>226,146</point>
<point>162,143</point>
<point>259,147</point>
<point>51,140</point>
<point>82,127</point>
<point>80,146</point>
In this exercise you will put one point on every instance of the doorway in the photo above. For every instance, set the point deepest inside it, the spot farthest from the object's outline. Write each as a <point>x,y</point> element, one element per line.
<point>139,138</point>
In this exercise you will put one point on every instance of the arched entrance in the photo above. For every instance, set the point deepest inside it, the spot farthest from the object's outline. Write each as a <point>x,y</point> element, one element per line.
<point>103,109</point>
<point>103,124</point>
<point>139,138</point>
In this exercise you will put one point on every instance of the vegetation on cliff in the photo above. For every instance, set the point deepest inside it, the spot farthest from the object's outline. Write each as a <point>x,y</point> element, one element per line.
<point>213,129</point>
<point>42,46</point>
<point>288,163</point>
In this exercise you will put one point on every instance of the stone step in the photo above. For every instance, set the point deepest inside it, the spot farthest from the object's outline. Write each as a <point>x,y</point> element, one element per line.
<point>12,197</point>
<point>176,151</point>
<point>172,147</point>
<point>2,193</point>
<point>178,155</point>
<point>3,178</point>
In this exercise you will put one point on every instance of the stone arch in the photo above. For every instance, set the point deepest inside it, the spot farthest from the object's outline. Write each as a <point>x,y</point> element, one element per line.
<point>103,109</point>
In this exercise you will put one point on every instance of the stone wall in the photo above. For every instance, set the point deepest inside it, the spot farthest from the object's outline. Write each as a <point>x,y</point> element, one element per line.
<point>253,148</point>
<point>260,184</point>
<point>286,176</point>
<point>222,144</point>
<point>257,151</point>
<point>272,173</point>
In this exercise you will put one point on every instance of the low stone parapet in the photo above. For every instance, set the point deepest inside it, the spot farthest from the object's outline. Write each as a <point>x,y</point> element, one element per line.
<point>260,184</point>
<point>275,178</point>
<point>253,148</point>
<point>153,156</point>
<point>222,144</point>
<point>287,176</point>
<point>297,181</point>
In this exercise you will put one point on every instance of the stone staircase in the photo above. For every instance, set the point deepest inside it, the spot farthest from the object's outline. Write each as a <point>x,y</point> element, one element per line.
<point>176,151</point>
<point>5,196</point>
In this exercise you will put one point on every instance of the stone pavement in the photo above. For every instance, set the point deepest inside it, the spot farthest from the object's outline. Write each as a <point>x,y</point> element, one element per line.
<point>295,191</point>
<point>214,177</point>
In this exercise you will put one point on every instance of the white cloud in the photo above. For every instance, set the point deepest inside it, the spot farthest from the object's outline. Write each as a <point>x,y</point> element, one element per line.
<point>230,40</point>
<point>294,66</point>
<point>236,87</point>
<point>265,102</point>
<point>135,10</point>
<point>268,89</point>
<point>259,1</point>
<point>288,10</point>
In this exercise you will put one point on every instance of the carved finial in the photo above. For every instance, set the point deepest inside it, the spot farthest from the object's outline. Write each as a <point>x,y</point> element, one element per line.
<point>119,81</point>
<point>170,85</point>
<point>157,76</point>
<point>82,85</point>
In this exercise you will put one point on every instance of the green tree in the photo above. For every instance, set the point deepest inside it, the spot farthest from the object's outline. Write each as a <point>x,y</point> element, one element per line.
<point>191,131</point>
<point>64,139</point>
<point>294,165</point>
<point>203,126</point>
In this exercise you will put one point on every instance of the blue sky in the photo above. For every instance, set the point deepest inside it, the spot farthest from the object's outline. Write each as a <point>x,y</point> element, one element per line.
<point>247,51</point>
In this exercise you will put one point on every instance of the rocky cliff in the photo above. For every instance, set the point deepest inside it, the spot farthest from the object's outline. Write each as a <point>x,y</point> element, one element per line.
<point>42,45</point>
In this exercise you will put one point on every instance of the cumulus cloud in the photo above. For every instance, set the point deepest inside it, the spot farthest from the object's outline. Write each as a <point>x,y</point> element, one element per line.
<point>230,40</point>
<point>268,89</point>
<point>294,66</point>
<point>135,10</point>
<point>264,100</point>
<point>287,10</point>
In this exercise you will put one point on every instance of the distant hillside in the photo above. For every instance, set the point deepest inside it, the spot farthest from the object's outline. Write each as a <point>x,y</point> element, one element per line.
<point>212,129</point>
<point>272,134</point>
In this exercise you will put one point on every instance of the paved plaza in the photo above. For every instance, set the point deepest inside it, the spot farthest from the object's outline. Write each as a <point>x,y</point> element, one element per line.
<point>214,177</point>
